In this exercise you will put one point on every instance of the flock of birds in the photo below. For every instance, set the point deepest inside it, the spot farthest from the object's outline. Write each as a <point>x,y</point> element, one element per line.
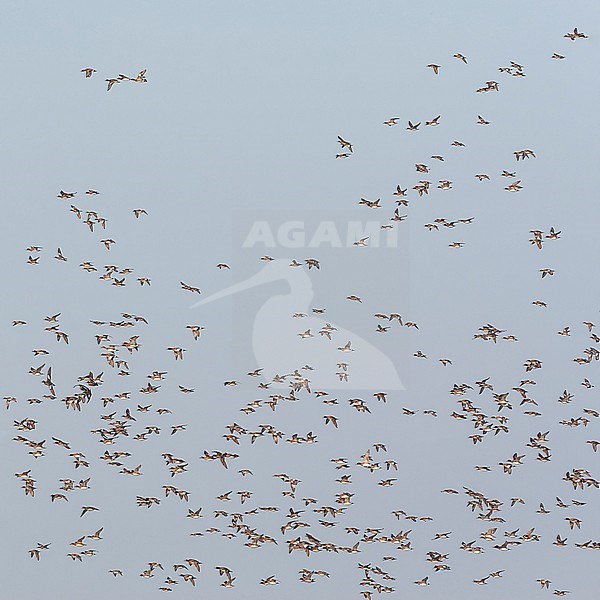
<point>305,521</point>
<point>111,81</point>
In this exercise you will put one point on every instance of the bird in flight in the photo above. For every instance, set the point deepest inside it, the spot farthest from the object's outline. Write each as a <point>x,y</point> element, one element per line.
<point>111,82</point>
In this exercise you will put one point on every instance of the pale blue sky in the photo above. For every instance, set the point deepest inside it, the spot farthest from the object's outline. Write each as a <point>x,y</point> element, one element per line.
<point>241,112</point>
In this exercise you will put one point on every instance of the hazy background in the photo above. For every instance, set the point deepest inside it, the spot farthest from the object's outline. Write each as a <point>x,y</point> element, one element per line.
<point>242,107</point>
